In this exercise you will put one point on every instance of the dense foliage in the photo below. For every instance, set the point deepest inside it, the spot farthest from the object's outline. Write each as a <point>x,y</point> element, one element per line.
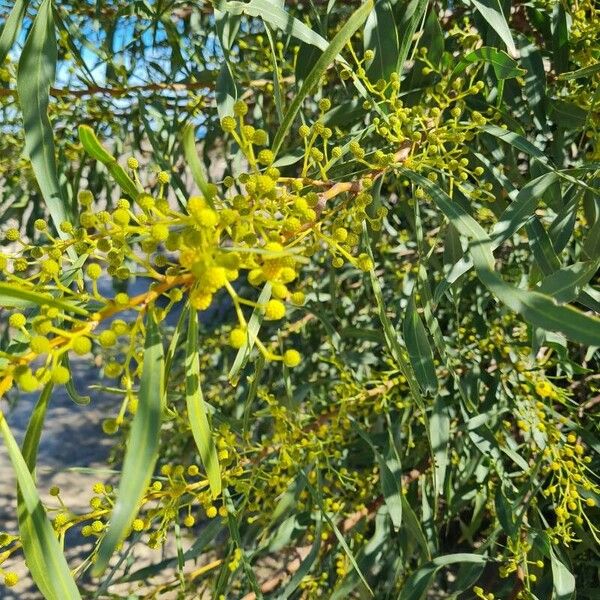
<point>364,361</point>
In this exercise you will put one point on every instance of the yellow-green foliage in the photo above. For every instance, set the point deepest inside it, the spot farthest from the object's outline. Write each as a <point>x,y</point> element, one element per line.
<point>397,297</point>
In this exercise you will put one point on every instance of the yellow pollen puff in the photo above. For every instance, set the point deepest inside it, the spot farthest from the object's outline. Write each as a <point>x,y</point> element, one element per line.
<point>94,271</point>
<point>298,298</point>
<point>274,310</point>
<point>279,290</point>
<point>237,337</point>
<point>201,300</point>
<point>159,232</point>
<point>60,375</point>
<point>17,320</point>
<point>39,344</point>
<point>544,389</point>
<point>291,358</point>
<point>189,521</point>
<point>10,579</point>
<point>82,345</point>
<point>207,217</point>
<point>121,217</point>
<point>137,525</point>
<point>163,177</point>
<point>50,267</point>
<point>211,512</point>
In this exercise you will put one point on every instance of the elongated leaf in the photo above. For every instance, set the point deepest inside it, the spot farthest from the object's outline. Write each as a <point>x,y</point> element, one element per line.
<point>381,36</point>
<point>252,331</point>
<point>94,148</point>
<point>12,27</point>
<point>35,426</point>
<point>11,295</point>
<point>194,162</point>
<point>278,18</point>
<point>439,427</point>
<point>390,473</point>
<point>504,66</point>
<point>70,386</point>
<point>516,140</point>
<point>580,73</point>
<point>408,27</point>
<point>418,583</point>
<point>539,309</point>
<point>306,564</point>
<point>563,581</point>
<point>226,91</point>
<point>196,408</point>
<point>44,555</point>
<point>313,78</point>
<point>560,38</point>
<point>566,114</point>
<point>491,11</point>
<point>35,75</point>
<point>142,446</point>
<point>419,349</point>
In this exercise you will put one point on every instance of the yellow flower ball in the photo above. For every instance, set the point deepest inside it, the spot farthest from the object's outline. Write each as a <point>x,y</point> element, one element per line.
<point>291,358</point>
<point>237,337</point>
<point>274,310</point>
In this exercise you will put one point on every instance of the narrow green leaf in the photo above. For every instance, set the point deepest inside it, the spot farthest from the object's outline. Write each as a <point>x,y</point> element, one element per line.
<point>70,386</point>
<point>580,73</point>
<point>12,27</point>
<point>142,446</point>
<point>197,413</point>
<point>252,331</point>
<point>420,581</point>
<point>94,148</point>
<point>491,11</point>
<point>504,66</point>
<point>313,78</point>
<point>560,38</point>
<point>390,473</point>
<point>563,582</point>
<point>567,114</point>
<point>519,211</point>
<point>194,162</point>
<point>516,140</point>
<point>278,18</point>
<point>419,349</point>
<point>381,36</point>
<point>536,308</point>
<point>11,295</point>
<point>305,566</point>
<point>408,28</point>
<point>35,75</point>
<point>45,558</point>
<point>439,433</point>
<point>226,91</point>
<point>33,434</point>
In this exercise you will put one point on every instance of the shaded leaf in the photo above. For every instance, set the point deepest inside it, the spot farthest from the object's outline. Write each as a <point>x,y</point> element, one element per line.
<point>196,407</point>
<point>35,75</point>
<point>142,446</point>
<point>45,558</point>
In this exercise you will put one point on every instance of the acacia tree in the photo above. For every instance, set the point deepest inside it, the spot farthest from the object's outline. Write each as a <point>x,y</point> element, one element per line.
<point>377,227</point>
